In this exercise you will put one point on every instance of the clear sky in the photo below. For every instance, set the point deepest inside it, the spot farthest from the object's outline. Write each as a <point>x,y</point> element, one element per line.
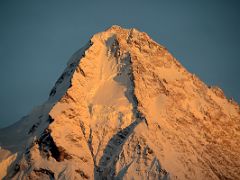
<point>37,37</point>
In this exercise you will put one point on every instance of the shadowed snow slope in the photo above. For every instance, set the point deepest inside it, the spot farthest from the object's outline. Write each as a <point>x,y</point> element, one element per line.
<point>125,108</point>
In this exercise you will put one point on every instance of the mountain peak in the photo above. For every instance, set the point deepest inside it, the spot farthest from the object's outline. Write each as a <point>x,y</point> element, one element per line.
<point>125,108</point>
<point>115,27</point>
<point>119,28</point>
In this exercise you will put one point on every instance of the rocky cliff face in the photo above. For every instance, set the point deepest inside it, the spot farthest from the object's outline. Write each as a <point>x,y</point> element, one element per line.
<point>125,108</point>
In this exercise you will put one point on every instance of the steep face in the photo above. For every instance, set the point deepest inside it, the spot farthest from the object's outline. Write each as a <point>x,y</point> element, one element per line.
<point>129,110</point>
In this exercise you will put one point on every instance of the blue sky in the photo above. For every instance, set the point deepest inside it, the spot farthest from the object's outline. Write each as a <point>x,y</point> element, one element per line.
<point>38,37</point>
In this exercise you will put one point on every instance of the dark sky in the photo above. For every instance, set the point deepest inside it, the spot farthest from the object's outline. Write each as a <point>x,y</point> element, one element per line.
<point>37,37</point>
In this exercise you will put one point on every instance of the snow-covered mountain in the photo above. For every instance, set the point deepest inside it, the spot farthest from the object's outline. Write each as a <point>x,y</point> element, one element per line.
<point>125,108</point>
